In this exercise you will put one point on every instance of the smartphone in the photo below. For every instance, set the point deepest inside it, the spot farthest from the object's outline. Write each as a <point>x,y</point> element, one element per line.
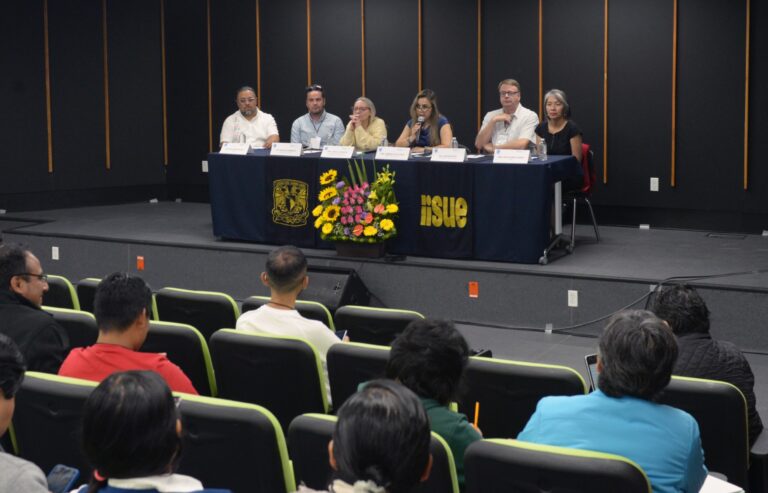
<point>591,361</point>
<point>62,478</point>
<point>341,334</point>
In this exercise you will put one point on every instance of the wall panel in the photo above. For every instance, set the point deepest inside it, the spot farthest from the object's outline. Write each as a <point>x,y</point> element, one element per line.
<point>758,109</point>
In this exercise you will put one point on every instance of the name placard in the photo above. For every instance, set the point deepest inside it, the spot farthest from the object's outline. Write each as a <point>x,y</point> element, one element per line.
<point>393,153</point>
<point>449,155</point>
<point>285,149</point>
<point>338,152</point>
<point>236,148</point>
<point>511,156</point>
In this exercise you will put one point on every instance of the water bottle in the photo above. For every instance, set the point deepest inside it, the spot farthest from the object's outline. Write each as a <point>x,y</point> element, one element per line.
<point>454,143</point>
<point>543,150</point>
<point>384,142</point>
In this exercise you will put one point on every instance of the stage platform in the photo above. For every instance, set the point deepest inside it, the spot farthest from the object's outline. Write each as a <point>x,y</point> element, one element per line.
<point>521,311</point>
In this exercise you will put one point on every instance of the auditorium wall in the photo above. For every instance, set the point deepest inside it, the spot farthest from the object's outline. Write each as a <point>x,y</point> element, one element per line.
<point>113,100</point>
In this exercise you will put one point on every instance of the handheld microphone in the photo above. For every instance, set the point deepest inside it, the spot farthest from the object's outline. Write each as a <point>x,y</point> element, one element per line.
<point>420,120</point>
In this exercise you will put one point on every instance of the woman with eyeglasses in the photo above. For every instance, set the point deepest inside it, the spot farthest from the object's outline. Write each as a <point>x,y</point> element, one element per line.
<point>365,130</point>
<point>427,128</point>
<point>132,437</point>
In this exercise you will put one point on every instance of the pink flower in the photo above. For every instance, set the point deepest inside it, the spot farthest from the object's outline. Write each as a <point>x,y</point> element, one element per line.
<point>379,209</point>
<point>358,230</point>
<point>365,185</point>
<point>343,219</point>
<point>357,218</point>
<point>359,200</point>
<point>359,209</point>
<point>368,218</point>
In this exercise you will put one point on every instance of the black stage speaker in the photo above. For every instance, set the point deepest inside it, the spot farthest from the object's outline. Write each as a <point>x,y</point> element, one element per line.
<point>335,287</point>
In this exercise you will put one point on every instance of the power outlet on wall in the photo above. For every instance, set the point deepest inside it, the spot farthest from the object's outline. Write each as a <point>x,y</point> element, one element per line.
<point>573,298</point>
<point>654,184</point>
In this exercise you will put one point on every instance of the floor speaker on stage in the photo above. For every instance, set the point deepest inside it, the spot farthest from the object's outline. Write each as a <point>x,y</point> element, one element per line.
<point>335,287</point>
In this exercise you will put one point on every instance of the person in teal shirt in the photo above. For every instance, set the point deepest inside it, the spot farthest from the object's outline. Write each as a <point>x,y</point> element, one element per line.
<point>429,358</point>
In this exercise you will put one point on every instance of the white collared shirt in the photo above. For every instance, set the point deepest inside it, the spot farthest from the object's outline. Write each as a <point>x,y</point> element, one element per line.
<point>256,130</point>
<point>523,125</point>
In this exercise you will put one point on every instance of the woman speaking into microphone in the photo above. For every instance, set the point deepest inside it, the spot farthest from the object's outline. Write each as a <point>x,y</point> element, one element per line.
<point>427,128</point>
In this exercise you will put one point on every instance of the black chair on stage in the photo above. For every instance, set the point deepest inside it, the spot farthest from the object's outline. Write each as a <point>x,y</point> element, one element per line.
<point>283,374</point>
<point>185,346</point>
<point>308,437</point>
<point>207,311</point>
<point>351,364</point>
<point>508,392</point>
<point>61,293</point>
<point>373,325</point>
<point>312,310</point>
<point>497,465</point>
<point>80,326</point>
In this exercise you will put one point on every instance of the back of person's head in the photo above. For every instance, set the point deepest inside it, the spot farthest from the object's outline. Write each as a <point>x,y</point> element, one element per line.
<point>130,427</point>
<point>429,358</point>
<point>637,352</point>
<point>683,309</point>
<point>120,299</point>
<point>382,435</point>
<point>286,268</point>
<point>12,368</point>
<point>13,261</point>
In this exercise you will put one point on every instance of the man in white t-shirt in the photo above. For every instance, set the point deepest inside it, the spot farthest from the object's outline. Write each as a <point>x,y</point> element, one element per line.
<point>510,127</point>
<point>249,124</point>
<point>286,277</point>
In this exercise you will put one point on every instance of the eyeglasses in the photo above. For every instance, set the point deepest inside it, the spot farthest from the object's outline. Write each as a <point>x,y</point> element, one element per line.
<point>249,100</point>
<point>42,277</point>
<point>509,93</point>
<point>359,109</point>
<point>423,106</point>
<point>314,87</point>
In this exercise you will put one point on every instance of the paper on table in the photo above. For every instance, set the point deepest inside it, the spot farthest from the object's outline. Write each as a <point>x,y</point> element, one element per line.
<point>716,485</point>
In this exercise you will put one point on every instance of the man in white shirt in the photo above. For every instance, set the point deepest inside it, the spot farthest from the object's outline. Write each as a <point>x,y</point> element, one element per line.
<point>510,127</point>
<point>249,124</point>
<point>286,277</point>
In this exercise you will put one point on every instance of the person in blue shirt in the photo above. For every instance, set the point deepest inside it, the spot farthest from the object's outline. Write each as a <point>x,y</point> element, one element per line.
<point>636,354</point>
<point>427,127</point>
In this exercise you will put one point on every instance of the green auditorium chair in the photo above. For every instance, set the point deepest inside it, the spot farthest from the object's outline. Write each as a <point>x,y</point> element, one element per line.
<point>510,465</point>
<point>283,374</point>
<point>721,411</point>
<point>308,437</point>
<point>508,392</point>
<point>61,293</point>
<point>373,325</point>
<point>86,292</point>
<point>312,310</point>
<point>185,346</point>
<point>80,326</point>
<point>351,364</point>
<point>207,311</point>
<point>234,445</point>
<point>46,422</point>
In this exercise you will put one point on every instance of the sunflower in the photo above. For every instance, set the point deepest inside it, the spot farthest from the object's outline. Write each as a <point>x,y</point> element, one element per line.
<point>387,224</point>
<point>318,222</point>
<point>327,193</point>
<point>331,213</point>
<point>317,210</point>
<point>328,177</point>
<point>327,228</point>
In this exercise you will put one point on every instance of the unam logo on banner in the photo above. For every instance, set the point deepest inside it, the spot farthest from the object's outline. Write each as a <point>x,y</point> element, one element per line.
<point>447,212</point>
<point>289,202</point>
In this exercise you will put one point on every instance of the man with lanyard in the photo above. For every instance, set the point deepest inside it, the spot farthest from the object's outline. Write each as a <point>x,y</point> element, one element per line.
<point>317,123</point>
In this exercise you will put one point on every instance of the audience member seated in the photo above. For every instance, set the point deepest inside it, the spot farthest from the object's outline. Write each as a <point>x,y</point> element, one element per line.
<point>380,443</point>
<point>365,130</point>
<point>286,277</point>
<point>701,356</point>
<point>122,306</point>
<point>427,127</point>
<point>635,358</point>
<point>17,474</point>
<point>41,340</point>
<point>429,358</point>
<point>132,437</point>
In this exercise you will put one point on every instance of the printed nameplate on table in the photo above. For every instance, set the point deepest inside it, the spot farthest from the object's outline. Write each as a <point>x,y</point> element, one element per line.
<point>511,156</point>
<point>339,152</point>
<point>237,148</point>
<point>393,153</point>
<point>285,149</point>
<point>449,154</point>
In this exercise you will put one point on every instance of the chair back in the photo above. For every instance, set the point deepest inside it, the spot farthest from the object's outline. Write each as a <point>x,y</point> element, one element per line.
<point>47,420</point>
<point>588,168</point>
<point>510,465</point>
<point>80,326</point>
<point>283,374</point>
<point>508,392</point>
<point>185,346</point>
<point>721,411</point>
<point>351,364</point>
<point>234,445</point>
<point>86,292</point>
<point>373,325</point>
<point>207,311</point>
<point>61,293</point>
<point>308,437</point>
<point>312,310</point>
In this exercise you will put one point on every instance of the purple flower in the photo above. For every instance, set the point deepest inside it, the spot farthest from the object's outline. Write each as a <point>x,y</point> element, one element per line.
<point>340,185</point>
<point>346,231</point>
<point>336,201</point>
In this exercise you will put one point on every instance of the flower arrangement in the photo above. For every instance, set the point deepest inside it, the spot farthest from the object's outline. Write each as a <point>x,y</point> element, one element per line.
<point>352,209</point>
